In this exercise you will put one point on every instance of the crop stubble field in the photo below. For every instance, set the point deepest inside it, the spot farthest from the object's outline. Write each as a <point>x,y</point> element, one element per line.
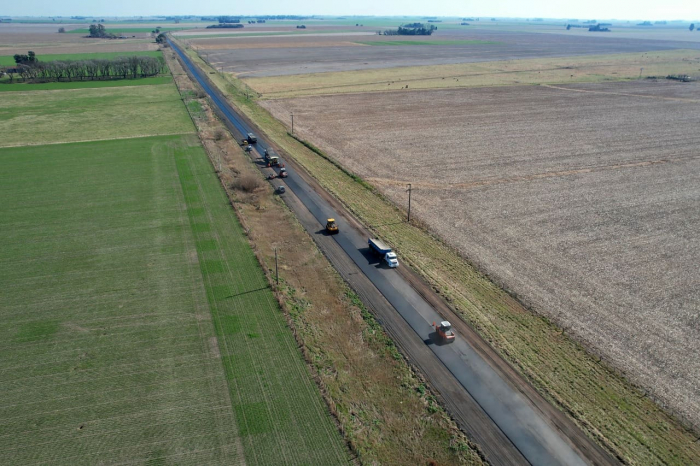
<point>138,325</point>
<point>256,57</point>
<point>580,200</point>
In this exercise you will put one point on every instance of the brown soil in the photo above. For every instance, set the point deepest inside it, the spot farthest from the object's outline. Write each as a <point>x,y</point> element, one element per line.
<point>581,201</point>
<point>324,56</point>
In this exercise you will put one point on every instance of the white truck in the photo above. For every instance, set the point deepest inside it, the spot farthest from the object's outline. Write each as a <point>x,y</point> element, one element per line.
<point>385,251</point>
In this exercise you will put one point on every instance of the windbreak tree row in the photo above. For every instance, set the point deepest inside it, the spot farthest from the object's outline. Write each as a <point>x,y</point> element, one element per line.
<point>97,69</point>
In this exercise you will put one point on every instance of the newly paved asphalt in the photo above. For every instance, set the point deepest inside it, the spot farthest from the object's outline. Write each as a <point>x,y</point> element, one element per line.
<point>535,439</point>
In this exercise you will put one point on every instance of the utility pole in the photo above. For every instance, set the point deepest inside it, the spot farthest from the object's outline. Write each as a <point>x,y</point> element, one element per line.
<point>292,123</point>
<point>277,274</point>
<point>409,202</point>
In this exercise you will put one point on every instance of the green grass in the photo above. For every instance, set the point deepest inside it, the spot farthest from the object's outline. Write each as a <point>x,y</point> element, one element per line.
<point>5,86</point>
<point>106,327</point>
<point>137,324</point>
<point>125,31</point>
<point>280,413</point>
<point>8,60</point>
<point>428,42</point>
<point>42,117</point>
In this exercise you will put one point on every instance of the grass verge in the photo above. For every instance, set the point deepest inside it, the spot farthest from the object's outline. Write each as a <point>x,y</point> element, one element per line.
<point>279,411</point>
<point>604,404</point>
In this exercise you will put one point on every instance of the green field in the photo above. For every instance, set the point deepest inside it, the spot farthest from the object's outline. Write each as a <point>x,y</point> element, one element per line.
<point>91,114</point>
<point>106,335</point>
<point>278,408</point>
<point>130,298</point>
<point>8,60</point>
<point>429,42</point>
<point>4,87</point>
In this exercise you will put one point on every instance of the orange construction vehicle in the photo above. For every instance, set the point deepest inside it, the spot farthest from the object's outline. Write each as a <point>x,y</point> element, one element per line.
<point>444,331</point>
<point>331,227</point>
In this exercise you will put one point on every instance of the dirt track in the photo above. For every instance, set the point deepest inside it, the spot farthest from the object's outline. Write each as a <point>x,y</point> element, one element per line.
<point>584,204</point>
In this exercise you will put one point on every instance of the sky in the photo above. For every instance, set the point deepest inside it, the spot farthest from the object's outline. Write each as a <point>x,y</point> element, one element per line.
<point>588,9</point>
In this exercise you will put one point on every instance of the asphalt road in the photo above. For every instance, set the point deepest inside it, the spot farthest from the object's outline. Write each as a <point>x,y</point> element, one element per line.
<point>508,422</point>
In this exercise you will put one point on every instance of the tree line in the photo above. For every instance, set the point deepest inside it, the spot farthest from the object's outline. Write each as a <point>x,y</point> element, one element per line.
<point>95,69</point>
<point>413,29</point>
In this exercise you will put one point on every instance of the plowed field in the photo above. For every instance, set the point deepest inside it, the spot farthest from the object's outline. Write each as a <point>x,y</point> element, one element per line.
<point>581,200</point>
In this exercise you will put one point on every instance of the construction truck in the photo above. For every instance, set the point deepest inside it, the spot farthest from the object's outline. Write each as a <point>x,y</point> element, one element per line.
<point>444,331</point>
<point>252,139</point>
<point>331,227</point>
<point>273,161</point>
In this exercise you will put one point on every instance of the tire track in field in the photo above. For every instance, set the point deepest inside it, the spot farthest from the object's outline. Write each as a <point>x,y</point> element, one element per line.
<point>622,94</point>
<point>537,176</point>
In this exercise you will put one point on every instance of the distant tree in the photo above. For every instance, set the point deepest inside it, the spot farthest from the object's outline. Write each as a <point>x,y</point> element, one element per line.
<point>568,27</point>
<point>28,59</point>
<point>415,29</point>
<point>61,30</point>
<point>98,30</point>
<point>161,39</point>
<point>692,26</point>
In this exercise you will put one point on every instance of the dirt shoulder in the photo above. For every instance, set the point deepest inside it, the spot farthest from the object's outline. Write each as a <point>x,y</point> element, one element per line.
<point>385,411</point>
<point>604,404</point>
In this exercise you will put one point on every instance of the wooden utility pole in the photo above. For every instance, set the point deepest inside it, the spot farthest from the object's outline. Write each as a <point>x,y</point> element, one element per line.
<point>292,123</point>
<point>277,274</point>
<point>409,202</point>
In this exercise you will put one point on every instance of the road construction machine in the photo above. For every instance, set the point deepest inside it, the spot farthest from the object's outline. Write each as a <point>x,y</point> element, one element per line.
<point>444,331</point>
<point>331,227</point>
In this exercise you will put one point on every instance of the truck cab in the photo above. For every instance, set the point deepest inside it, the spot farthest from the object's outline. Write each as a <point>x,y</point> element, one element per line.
<point>391,260</point>
<point>252,139</point>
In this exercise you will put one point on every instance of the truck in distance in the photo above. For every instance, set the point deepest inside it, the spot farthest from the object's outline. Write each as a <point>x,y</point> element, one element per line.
<point>385,251</point>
